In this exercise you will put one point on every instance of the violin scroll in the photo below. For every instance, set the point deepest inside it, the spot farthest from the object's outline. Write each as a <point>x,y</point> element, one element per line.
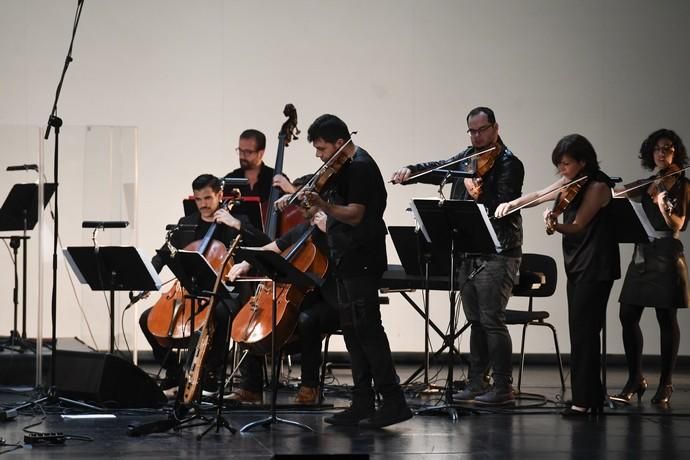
<point>289,128</point>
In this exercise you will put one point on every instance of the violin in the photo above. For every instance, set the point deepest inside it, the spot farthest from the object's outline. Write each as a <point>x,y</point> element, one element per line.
<point>483,162</point>
<point>170,320</point>
<point>278,224</point>
<point>320,179</point>
<point>564,199</point>
<point>666,181</point>
<point>486,159</point>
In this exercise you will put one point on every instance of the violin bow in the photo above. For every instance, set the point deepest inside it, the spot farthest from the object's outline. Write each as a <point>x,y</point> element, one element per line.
<point>647,182</point>
<point>557,189</point>
<point>445,165</point>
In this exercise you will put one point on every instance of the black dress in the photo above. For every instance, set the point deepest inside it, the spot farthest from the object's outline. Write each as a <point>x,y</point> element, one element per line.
<point>658,274</point>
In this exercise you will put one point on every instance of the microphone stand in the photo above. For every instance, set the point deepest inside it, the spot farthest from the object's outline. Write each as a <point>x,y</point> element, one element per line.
<point>56,122</point>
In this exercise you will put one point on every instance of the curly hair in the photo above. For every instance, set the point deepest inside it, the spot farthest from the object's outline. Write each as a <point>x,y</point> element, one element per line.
<point>680,156</point>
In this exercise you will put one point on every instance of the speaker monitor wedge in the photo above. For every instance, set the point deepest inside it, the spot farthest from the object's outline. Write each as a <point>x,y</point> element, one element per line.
<point>105,379</point>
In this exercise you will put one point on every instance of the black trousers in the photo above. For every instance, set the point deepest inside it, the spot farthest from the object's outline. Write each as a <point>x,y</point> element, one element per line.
<point>366,340</point>
<point>586,314</point>
<point>317,317</point>
<point>169,361</point>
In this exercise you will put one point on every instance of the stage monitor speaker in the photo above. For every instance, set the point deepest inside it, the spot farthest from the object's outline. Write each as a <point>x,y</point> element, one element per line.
<point>105,379</point>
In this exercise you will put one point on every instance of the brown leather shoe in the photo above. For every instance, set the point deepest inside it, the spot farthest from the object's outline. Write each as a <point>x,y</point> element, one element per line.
<point>241,395</point>
<point>307,395</point>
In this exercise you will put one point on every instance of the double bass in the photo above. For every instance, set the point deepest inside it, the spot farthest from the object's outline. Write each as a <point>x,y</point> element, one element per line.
<point>278,223</point>
<point>170,320</point>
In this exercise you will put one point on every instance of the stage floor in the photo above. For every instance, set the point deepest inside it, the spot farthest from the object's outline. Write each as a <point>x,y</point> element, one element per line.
<point>533,429</point>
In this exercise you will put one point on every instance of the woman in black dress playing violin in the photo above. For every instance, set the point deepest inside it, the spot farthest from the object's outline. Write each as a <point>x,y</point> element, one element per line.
<point>591,257</point>
<point>657,275</point>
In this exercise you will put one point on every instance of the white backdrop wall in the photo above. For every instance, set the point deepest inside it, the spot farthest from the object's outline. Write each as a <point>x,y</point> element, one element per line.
<point>190,76</point>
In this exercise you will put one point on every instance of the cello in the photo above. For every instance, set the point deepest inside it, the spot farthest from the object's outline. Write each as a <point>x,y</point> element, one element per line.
<point>253,323</point>
<point>290,216</point>
<point>202,344</point>
<point>170,319</point>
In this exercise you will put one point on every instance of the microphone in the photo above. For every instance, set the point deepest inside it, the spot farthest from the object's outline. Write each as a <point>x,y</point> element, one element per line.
<point>23,168</point>
<point>135,298</point>
<point>104,224</point>
<point>170,227</point>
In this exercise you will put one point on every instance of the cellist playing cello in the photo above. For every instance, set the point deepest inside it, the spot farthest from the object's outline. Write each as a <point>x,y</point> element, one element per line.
<point>207,196</point>
<point>318,315</point>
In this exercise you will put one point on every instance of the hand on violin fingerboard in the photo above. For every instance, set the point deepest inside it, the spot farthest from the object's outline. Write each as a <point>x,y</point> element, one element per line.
<point>550,220</point>
<point>473,186</point>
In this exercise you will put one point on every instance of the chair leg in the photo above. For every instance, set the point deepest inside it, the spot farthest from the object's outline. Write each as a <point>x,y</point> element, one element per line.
<point>522,356</point>
<point>323,367</point>
<point>558,355</point>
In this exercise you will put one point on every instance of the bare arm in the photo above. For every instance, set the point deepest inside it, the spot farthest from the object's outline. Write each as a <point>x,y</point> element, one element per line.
<point>533,198</point>
<point>596,197</point>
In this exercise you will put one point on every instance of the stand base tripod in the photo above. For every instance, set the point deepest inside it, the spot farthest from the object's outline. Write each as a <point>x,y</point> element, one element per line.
<point>52,398</point>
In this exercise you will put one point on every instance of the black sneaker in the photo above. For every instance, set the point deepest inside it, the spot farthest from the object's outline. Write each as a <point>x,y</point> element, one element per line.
<point>388,414</point>
<point>498,396</point>
<point>350,416</point>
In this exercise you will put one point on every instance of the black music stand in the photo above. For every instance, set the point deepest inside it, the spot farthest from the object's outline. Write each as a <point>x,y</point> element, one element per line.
<point>457,226</point>
<point>198,277</point>
<point>278,270</point>
<point>20,212</point>
<point>418,257</point>
<point>631,226</point>
<point>112,268</point>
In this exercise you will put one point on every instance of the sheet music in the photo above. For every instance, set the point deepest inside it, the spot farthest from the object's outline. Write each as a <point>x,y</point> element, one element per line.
<point>436,202</point>
<point>652,234</point>
<point>149,268</point>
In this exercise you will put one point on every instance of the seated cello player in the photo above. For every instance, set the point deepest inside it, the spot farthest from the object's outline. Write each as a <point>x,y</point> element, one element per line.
<point>207,192</point>
<point>318,316</point>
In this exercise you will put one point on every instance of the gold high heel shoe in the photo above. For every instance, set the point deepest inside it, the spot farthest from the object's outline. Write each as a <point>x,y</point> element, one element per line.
<point>663,394</point>
<point>629,390</point>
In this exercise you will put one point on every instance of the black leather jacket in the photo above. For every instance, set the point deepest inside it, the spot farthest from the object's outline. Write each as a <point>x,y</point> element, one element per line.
<point>502,183</point>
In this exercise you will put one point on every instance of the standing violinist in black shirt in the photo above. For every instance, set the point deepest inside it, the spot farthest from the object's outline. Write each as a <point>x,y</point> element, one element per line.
<point>354,201</point>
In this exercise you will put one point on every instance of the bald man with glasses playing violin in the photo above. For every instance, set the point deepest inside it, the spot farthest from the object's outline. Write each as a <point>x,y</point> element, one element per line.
<point>485,297</point>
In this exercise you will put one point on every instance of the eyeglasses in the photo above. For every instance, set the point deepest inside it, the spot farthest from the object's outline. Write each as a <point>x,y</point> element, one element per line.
<point>664,148</point>
<point>245,153</point>
<point>474,132</point>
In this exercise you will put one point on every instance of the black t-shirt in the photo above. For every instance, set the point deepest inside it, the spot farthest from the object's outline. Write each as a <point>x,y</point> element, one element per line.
<point>262,188</point>
<point>183,237</point>
<point>360,249</point>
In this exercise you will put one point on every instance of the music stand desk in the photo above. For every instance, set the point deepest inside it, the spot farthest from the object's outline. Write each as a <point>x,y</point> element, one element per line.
<point>112,268</point>
<point>277,268</point>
